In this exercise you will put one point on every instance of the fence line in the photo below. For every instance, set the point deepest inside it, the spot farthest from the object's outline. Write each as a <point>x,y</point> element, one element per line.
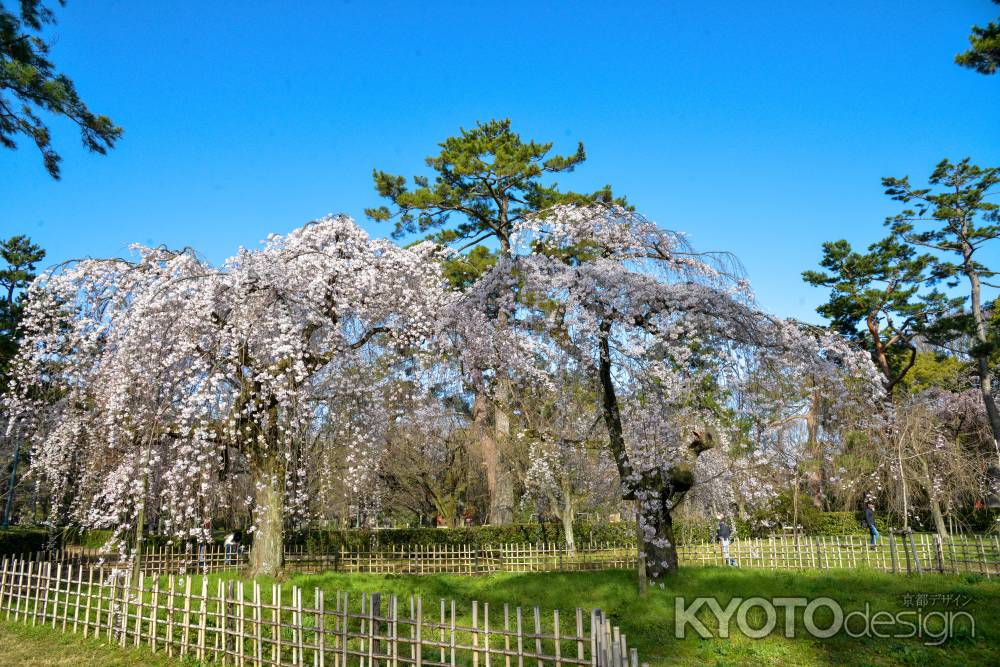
<point>896,552</point>
<point>238,623</point>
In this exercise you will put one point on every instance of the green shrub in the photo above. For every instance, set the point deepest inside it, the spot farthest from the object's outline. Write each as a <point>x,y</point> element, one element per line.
<point>20,540</point>
<point>320,541</point>
<point>90,539</point>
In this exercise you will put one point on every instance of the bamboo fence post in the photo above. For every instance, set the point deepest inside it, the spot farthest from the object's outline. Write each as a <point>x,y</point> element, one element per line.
<point>112,602</point>
<point>394,631</point>
<point>538,635</point>
<point>419,631</point>
<point>451,641</point>
<point>520,638</point>
<point>171,591</point>
<point>39,596</point>
<point>48,589</point>
<point>90,593</point>
<point>203,617</point>
<point>343,629</point>
<point>276,618</point>
<point>79,592</point>
<point>475,635</point>
<point>375,611</point>
<point>892,550</point>
<point>186,619</point>
<point>20,591</point>
<point>298,625</point>
<point>486,633</point>
<point>916,560</point>
<point>579,637</point>
<point>258,646</point>
<point>66,597</point>
<point>982,556</point>
<point>227,618</point>
<point>557,640</point>
<point>138,609</point>
<point>3,582</point>
<point>319,625</point>
<point>155,618</point>
<point>123,610</point>
<point>240,625</point>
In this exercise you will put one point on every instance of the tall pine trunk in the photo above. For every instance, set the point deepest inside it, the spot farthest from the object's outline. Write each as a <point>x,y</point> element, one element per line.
<point>982,361</point>
<point>493,431</point>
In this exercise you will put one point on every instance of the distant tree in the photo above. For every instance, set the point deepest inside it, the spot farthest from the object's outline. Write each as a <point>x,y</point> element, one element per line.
<point>960,220</point>
<point>984,52</point>
<point>29,84</point>
<point>486,180</point>
<point>487,177</point>
<point>874,298</point>
<point>20,256</point>
<point>941,371</point>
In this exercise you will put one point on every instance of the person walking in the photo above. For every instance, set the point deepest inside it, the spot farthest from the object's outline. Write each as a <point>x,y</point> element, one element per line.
<point>231,547</point>
<point>870,524</point>
<point>723,535</point>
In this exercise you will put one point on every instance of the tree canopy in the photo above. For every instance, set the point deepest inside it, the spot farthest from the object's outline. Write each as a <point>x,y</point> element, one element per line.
<point>20,257</point>
<point>875,298</point>
<point>486,180</point>
<point>983,54</point>
<point>31,86</point>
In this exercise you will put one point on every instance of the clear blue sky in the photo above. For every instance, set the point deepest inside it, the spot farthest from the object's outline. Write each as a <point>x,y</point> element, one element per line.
<point>762,128</point>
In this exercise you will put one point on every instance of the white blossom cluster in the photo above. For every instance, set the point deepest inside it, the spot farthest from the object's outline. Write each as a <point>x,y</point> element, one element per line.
<point>160,376</point>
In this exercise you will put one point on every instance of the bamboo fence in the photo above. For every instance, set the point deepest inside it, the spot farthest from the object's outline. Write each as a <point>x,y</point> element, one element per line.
<point>897,552</point>
<point>247,624</point>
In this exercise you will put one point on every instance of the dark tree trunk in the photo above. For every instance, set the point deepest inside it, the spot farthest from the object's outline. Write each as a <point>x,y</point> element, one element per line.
<point>657,491</point>
<point>494,440</point>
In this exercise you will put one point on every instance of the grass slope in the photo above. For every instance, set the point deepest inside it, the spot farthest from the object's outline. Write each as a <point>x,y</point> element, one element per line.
<point>45,647</point>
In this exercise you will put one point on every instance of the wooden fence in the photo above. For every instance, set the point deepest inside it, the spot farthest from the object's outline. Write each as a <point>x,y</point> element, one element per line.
<point>239,623</point>
<point>896,552</point>
<point>417,559</point>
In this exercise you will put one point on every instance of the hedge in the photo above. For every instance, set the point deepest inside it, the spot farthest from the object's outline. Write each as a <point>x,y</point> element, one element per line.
<point>761,524</point>
<point>19,540</point>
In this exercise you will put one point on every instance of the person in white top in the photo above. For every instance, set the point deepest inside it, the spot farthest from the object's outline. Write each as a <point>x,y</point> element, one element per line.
<point>231,547</point>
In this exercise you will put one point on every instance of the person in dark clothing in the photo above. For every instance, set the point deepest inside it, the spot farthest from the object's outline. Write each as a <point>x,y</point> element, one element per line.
<point>870,523</point>
<point>723,535</point>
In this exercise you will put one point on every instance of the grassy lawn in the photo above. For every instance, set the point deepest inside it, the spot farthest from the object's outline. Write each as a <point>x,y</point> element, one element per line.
<point>649,623</point>
<point>44,647</point>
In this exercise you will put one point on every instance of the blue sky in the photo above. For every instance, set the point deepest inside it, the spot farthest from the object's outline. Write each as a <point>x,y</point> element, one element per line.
<point>758,128</point>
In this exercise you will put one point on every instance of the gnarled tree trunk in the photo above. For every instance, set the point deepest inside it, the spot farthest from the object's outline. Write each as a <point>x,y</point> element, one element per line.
<point>657,491</point>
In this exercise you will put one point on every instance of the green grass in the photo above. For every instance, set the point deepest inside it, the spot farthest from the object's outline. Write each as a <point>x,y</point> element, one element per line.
<point>649,622</point>
<point>44,647</point>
